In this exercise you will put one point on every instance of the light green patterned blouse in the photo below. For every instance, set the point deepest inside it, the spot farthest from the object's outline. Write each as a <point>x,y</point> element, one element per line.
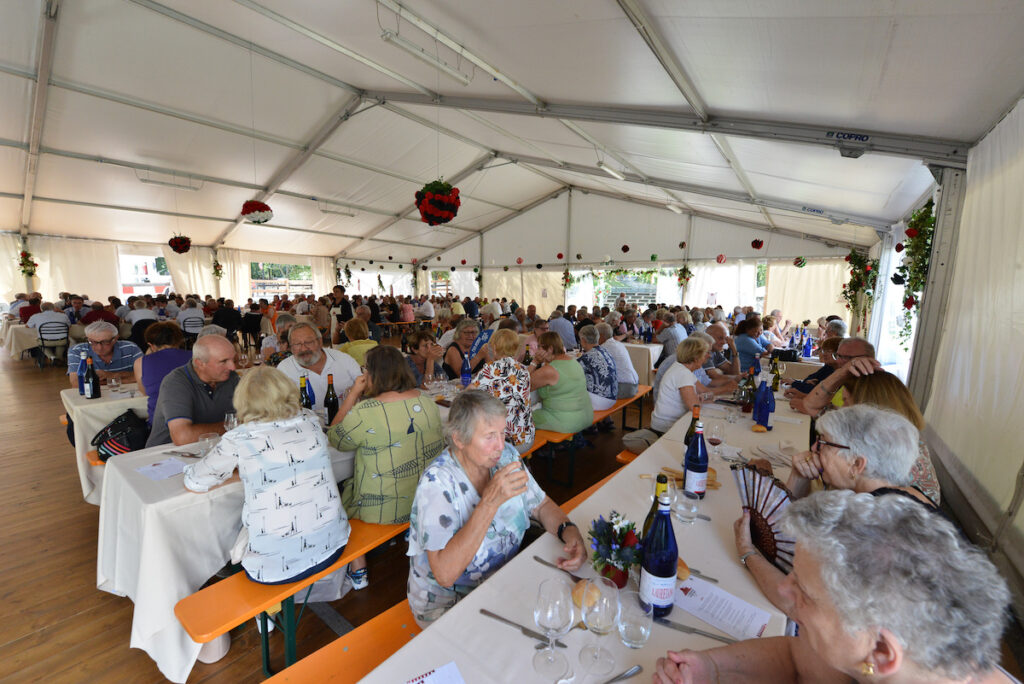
<point>394,442</point>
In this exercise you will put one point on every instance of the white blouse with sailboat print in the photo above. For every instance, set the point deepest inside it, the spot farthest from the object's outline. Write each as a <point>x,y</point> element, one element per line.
<point>292,508</point>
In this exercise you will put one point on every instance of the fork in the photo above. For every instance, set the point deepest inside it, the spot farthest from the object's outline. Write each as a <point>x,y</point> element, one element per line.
<point>575,578</point>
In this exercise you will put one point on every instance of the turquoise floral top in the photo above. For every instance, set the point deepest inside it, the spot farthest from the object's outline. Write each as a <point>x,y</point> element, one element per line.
<point>445,498</point>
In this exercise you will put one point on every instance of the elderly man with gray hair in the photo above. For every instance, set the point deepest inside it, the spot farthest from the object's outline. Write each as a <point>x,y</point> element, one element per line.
<point>194,398</point>
<point>625,374</point>
<point>883,590</point>
<point>111,357</point>
<point>835,328</point>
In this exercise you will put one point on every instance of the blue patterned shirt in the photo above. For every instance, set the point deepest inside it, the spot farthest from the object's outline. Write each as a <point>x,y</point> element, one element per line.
<point>599,369</point>
<point>445,498</point>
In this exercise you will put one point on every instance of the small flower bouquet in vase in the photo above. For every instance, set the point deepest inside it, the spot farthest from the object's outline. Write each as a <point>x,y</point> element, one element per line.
<point>616,547</point>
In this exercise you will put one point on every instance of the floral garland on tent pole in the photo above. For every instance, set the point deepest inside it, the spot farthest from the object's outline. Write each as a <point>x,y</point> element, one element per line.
<point>218,268</point>
<point>27,264</point>
<point>683,276</point>
<point>912,273</point>
<point>859,292</point>
<point>348,276</point>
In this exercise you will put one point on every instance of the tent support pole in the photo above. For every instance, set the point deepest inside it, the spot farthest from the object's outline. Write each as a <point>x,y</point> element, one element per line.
<point>934,299</point>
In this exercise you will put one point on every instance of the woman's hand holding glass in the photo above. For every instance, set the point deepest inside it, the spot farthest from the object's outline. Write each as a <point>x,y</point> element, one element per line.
<point>507,482</point>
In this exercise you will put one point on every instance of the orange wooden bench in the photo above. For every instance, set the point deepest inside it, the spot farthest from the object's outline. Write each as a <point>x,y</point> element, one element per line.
<point>354,655</point>
<point>626,457</point>
<point>621,404</point>
<point>218,608</point>
<point>63,418</point>
<point>94,458</point>
<point>575,501</point>
<point>538,442</point>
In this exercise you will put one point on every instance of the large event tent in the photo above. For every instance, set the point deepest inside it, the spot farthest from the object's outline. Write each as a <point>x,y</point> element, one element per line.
<point>815,125</point>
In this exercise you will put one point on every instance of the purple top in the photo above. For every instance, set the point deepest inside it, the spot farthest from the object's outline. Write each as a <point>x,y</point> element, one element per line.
<point>154,367</point>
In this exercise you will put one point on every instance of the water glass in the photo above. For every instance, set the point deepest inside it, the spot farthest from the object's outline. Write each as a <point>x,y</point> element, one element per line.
<point>686,506</point>
<point>114,384</point>
<point>230,421</point>
<point>732,414</point>
<point>635,619</point>
<point>207,442</point>
<point>554,616</point>
<point>600,616</point>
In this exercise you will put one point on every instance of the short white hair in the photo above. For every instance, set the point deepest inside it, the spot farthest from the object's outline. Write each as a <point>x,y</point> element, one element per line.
<point>614,318</point>
<point>837,328</point>
<point>588,334</point>
<point>100,328</point>
<point>888,562</point>
<point>888,442</point>
<point>604,331</point>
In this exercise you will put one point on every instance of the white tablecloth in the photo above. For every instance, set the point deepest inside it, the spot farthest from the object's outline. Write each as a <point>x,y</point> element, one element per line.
<point>90,416</point>
<point>487,651</point>
<point>20,338</point>
<point>798,370</point>
<point>159,543</point>
<point>643,357</point>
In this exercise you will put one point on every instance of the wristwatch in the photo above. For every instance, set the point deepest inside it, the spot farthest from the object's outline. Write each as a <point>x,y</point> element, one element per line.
<point>561,529</point>
<point>748,554</point>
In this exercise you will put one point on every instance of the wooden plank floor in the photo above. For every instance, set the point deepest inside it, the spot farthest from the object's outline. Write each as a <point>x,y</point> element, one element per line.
<point>55,626</point>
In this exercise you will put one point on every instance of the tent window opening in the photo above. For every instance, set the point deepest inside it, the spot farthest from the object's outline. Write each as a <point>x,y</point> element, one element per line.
<point>440,283</point>
<point>143,274</point>
<point>267,280</point>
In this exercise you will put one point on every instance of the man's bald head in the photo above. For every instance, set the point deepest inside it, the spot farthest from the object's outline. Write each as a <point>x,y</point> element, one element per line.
<point>213,357</point>
<point>853,347</point>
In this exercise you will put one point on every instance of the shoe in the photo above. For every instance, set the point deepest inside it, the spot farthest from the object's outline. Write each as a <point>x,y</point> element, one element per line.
<point>270,625</point>
<point>360,579</point>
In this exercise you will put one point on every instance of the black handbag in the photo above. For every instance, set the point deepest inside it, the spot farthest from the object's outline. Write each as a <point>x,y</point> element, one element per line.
<point>125,433</point>
<point>787,355</point>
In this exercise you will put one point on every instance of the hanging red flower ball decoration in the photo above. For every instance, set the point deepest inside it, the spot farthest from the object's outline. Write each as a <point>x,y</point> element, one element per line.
<point>519,260</point>
<point>847,259</point>
<point>757,244</point>
<point>899,247</point>
<point>438,202</point>
<point>682,245</point>
<point>868,267</point>
<point>911,232</point>
<point>463,262</point>
<point>180,243</point>
<point>255,211</point>
<point>559,256</point>
<point>720,258</point>
<point>625,248</point>
<point>799,262</point>
<point>909,302</point>
<point>505,267</point>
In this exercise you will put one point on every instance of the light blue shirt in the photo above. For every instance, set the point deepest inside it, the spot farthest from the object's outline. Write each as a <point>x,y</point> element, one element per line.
<point>747,347</point>
<point>565,330</point>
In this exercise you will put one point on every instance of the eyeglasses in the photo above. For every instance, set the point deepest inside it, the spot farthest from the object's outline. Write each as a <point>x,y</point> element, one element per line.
<point>820,441</point>
<point>101,343</point>
<point>303,345</point>
<point>844,357</point>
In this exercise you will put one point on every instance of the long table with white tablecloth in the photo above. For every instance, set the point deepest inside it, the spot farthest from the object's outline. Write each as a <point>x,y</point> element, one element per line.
<point>487,651</point>
<point>643,357</point>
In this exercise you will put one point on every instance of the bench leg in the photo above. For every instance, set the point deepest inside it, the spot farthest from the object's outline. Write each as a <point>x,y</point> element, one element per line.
<point>265,645</point>
<point>572,465</point>
<point>288,628</point>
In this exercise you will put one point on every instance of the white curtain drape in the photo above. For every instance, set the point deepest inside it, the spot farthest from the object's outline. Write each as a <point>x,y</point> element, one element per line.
<point>191,272</point>
<point>78,266</point>
<point>11,280</point>
<point>324,275</point>
<point>729,284</point>
<point>976,398</point>
<point>809,292</point>
<point>237,269</point>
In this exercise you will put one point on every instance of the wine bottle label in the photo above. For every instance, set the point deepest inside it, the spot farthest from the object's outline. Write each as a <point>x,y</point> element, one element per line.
<point>656,591</point>
<point>696,482</point>
<point>769,419</point>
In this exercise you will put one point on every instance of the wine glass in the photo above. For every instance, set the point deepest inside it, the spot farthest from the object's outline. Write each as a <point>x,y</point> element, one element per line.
<point>782,368</point>
<point>600,614</point>
<point>230,421</point>
<point>554,615</point>
<point>716,432</point>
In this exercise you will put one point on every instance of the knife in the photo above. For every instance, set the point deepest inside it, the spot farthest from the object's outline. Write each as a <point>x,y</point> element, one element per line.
<point>525,630</point>
<point>694,630</point>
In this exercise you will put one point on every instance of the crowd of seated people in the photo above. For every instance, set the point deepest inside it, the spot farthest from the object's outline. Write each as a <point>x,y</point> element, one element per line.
<point>865,551</point>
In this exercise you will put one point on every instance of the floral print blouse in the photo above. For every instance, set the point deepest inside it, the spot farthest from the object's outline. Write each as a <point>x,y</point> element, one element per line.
<point>508,380</point>
<point>445,498</point>
<point>599,369</point>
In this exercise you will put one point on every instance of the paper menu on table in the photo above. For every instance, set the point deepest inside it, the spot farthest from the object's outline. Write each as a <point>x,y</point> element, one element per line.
<point>446,674</point>
<point>720,609</point>
<point>161,470</point>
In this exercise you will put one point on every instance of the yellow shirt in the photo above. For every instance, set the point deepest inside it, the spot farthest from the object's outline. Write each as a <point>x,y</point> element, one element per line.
<point>357,350</point>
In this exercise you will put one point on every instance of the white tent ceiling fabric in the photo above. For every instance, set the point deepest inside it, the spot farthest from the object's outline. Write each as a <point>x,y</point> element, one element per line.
<point>135,85</point>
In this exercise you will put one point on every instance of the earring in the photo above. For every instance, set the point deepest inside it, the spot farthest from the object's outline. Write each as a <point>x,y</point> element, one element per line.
<point>867,669</point>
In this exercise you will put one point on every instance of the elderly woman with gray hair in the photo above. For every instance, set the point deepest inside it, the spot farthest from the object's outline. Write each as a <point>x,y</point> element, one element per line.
<point>472,506</point>
<point>465,333</point>
<point>862,448</point>
<point>882,589</point>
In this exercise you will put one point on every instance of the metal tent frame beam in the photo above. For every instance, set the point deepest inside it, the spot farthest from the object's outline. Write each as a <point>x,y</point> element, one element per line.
<point>837,217</point>
<point>44,67</point>
<point>849,141</point>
